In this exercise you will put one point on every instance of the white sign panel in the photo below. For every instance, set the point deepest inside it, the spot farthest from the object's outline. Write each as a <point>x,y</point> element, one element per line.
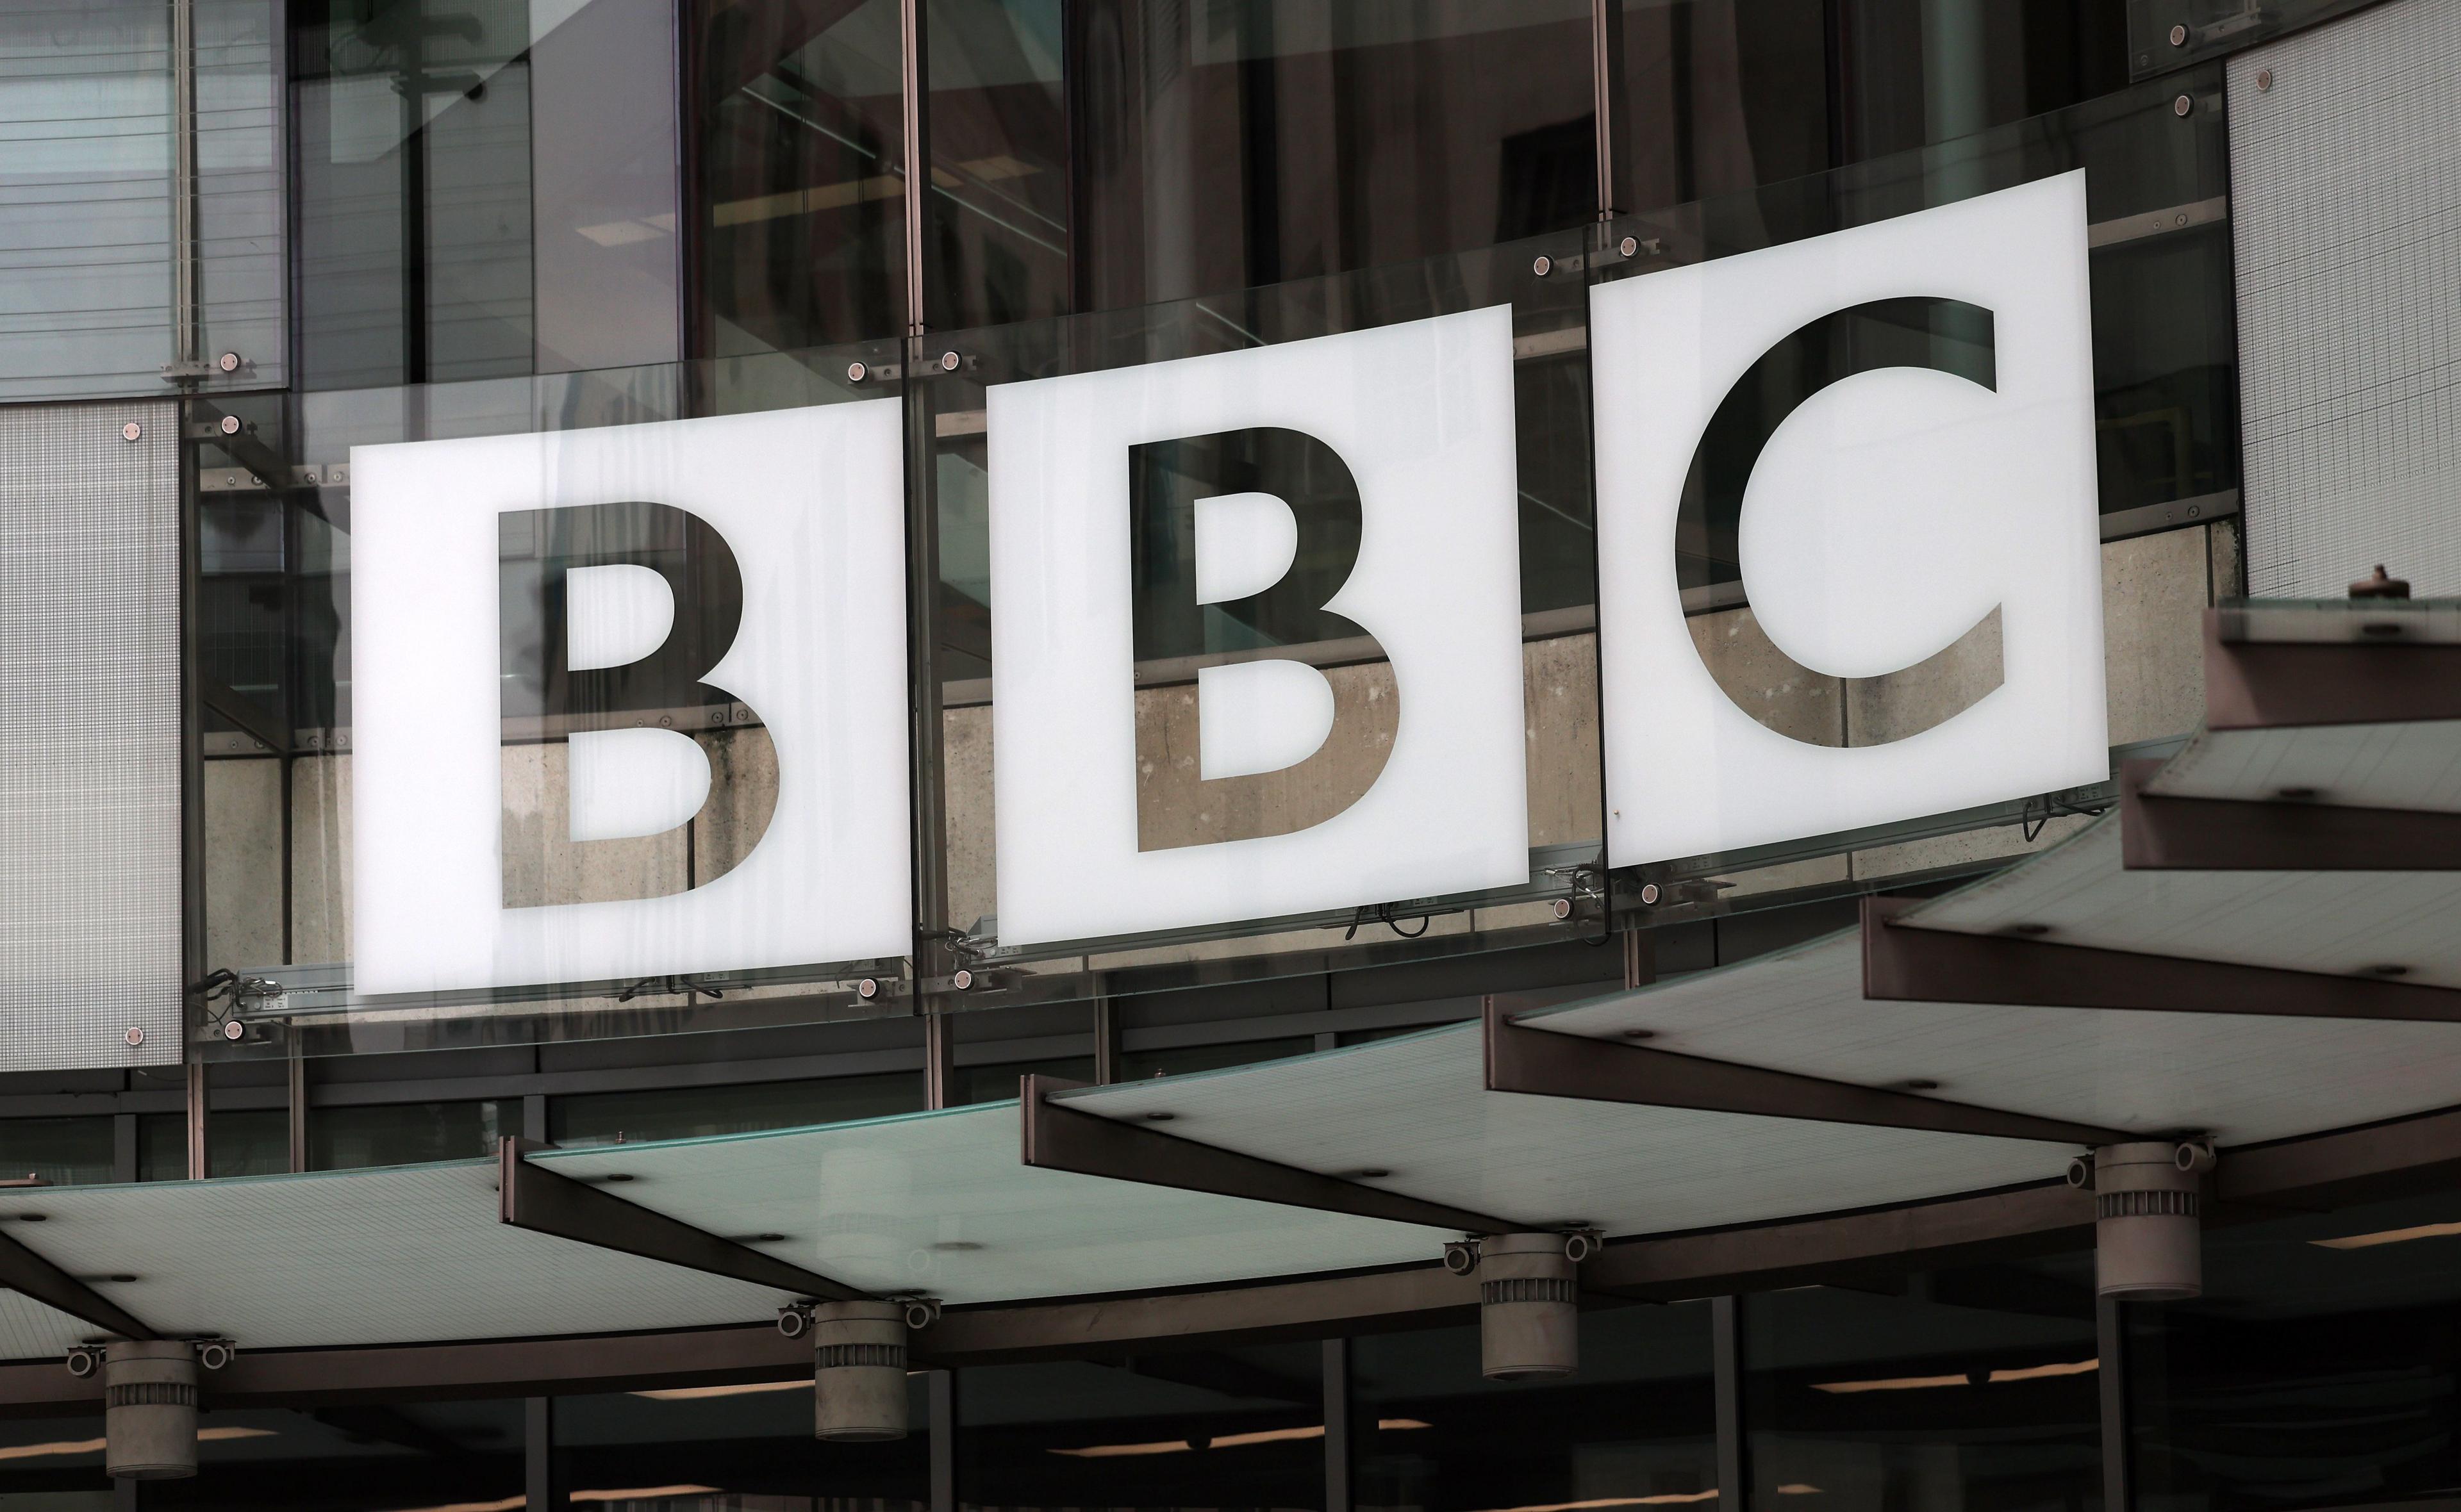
<point>804,510</point>
<point>1403,436</point>
<point>1903,413</point>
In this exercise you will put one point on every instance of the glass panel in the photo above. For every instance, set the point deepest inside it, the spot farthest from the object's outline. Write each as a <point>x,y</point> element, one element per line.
<point>1183,632</point>
<point>244,1141</point>
<point>681,1113</point>
<point>992,1083</point>
<point>85,197</point>
<point>275,606</point>
<point>404,1134</point>
<point>1968,1389</point>
<point>797,184</point>
<point>2162,34</point>
<point>1137,1065</point>
<point>55,1463</point>
<point>734,1449</point>
<point>1220,1428</point>
<point>241,207</point>
<point>1636,1427</point>
<point>65,1152</point>
<point>1151,150</point>
<point>2317,1370</point>
<point>411,1455</point>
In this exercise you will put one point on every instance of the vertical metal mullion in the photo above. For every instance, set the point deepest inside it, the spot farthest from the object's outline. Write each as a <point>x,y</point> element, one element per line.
<point>539,1481</point>
<point>1606,78</point>
<point>184,183</point>
<point>1726,1354</point>
<point>199,1167</point>
<point>943,1393</point>
<point>939,1062</point>
<point>298,1105</point>
<point>1106,1040</point>
<point>123,1148</point>
<point>918,160</point>
<point>1340,1483</point>
<point>2110,1340</point>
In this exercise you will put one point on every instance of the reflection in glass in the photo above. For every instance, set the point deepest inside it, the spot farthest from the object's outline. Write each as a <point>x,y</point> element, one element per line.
<point>1636,1427</point>
<point>734,1449</point>
<point>1968,1390</point>
<point>685,1113</point>
<point>1220,1428</point>
<point>65,1152</point>
<point>2319,1368</point>
<point>405,1134</point>
<point>411,1455</point>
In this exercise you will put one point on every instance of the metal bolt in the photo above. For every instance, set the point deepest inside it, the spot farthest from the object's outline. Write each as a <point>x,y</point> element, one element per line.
<point>2182,105</point>
<point>228,362</point>
<point>2178,36</point>
<point>135,1036</point>
<point>855,371</point>
<point>948,361</point>
<point>1631,246</point>
<point>234,1030</point>
<point>963,979</point>
<point>1563,907</point>
<point>231,425</point>
<point>1649,892</point>
<point>1542,265</point>
<point>130,431</point>
<point>866,989</point>
<point>2265,78</point>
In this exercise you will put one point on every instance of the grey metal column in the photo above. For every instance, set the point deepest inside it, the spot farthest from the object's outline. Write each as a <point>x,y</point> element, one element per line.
<point>297,1106</point>
<point>1340,1483</point>
<point>918,160</point>
<point>1726,1354</point>
<point>1606,80</point>
<point>1106,1040</point>
<point>939,1062</point>
<point>2111,1340</point>
<point>186,344</point>
<point>540,1483</point>
<point>944,1440</point>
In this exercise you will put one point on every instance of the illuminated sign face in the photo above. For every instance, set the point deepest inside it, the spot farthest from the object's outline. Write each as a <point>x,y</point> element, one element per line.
<point>630,702</point>
<point>1163,537</point>
<point>1890,432</point>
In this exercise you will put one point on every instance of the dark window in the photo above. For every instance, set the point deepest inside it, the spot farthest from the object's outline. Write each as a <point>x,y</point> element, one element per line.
<point>683,1113</point>
<point>991,1083</point>
<point>1234,1428</point>
<point>719,1449</point>
<point>404,1134</point>
<point>1636,1426</point>
<point>411,1455</point>
<point>1179,1060</point>
<point>65,1152</point>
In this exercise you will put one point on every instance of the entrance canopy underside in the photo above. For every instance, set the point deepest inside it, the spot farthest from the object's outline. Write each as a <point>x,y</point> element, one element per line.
<point>2282,1003</point>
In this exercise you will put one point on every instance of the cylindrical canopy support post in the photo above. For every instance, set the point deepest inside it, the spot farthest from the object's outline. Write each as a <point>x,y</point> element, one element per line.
<point>149,1395</point>
<point>2148,1240</point>
<point>859,1370</point>
<point>1528,1319</point>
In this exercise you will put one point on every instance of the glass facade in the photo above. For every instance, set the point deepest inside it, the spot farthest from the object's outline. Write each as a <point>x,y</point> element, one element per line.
<point>316,235</point>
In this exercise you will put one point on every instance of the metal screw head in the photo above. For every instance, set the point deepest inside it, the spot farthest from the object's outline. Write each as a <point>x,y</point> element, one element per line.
<point>963,979</point>
<point>867,988</point>
<point>2178,36</point>
<point>233,1029</point>
<point>1542,265</point>
<point>1563,907</point>
<point>231,425</point>
<point>135,1036</point>
<point>2265,78</point>
<point>1630,245</point>
<point>2182,105</point>
<point>130,431</point>
<point>1649,892</point>
<point>228,362</point>
<point>855,371</point>
<point>948,361</point>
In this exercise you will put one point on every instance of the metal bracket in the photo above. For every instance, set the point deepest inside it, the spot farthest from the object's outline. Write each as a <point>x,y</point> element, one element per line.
<point>1549,1063</point>
<point>1907,964</point>
<point>543,1201</point>
<point>1059,1137</point>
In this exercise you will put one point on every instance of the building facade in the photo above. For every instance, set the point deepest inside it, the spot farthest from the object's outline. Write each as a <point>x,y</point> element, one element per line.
<point>1009,753</point>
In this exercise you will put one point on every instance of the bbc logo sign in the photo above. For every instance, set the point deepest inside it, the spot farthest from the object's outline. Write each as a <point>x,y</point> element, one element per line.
<point>1890,427</point>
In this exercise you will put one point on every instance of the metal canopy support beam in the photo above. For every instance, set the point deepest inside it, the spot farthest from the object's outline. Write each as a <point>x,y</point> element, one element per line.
<point>543,1201</point>
<point>2262,685</point>
<point>1546,1063</point>
<point>30,1275</point>
<point>2158,833</point>
<point>1059,1137</point>
<point>1905,963</point>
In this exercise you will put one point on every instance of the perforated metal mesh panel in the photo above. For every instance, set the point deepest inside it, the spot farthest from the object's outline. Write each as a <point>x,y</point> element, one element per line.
<point>2346,205</point>
<point>89,737</point>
